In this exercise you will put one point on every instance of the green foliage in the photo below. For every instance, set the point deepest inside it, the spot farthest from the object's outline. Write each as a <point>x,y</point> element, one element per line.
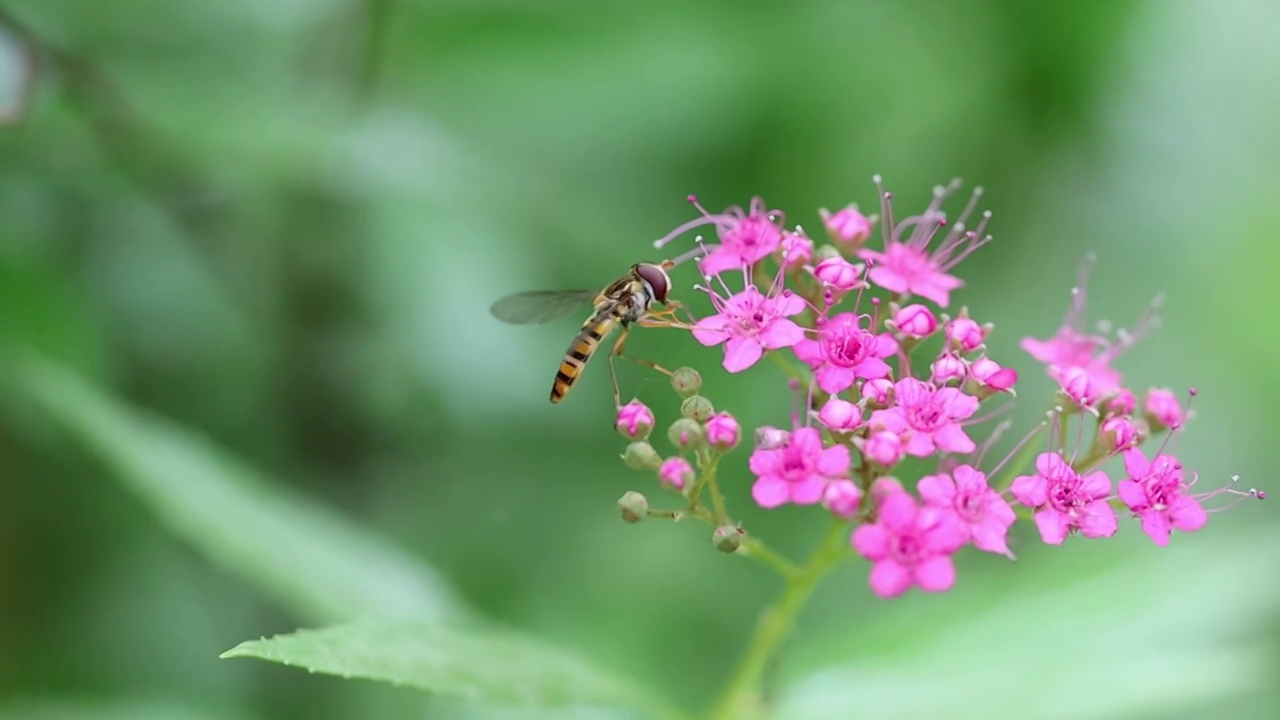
<point>485,665</point>
<point>311,560</point>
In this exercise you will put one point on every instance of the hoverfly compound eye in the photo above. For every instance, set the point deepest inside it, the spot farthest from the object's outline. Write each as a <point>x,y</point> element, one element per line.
<point>657,280</point>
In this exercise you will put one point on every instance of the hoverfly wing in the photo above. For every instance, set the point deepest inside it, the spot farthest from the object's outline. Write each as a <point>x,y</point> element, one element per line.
<point>539,306</point>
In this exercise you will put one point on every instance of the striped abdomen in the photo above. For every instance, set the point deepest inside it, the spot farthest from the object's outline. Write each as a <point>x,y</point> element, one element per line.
<point>580,351</point>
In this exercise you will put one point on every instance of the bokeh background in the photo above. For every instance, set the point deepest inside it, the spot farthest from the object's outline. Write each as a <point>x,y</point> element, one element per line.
<point>247,250</point>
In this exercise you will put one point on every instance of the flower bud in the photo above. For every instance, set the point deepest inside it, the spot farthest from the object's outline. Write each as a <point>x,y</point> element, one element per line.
<point>948,367</point>
<point>723,431</point>
<point>842,498</point>
<point>796,250</point>
<point>633,506</point>
<point>839,274</point>
<point>915,321</point>
<point>964,334</point>
<point>697,407</point>
<point>847,226</point>
<point>685,433</point>
<point>1119,432</point>
<point>635,420</point>
<point>728,538</point>
<point>676,474</point>
<point>771,438</point>
<point>883,448</point>
<point>686,381</point>
<point>1121,403</point>
<point>879,394</point>
<point>883,487</point>
<point>840,416</point>
<point>1163,409</point>
<point>1079,387</point>
<point>641,456</point>
<point>988,373</point>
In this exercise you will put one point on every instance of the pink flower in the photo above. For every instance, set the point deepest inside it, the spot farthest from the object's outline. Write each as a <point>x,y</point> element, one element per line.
<point>984,515</point>
<point>909,545</point>
<point>635,420</point>
<point>883,488</point>
<point>878,393</point>
<point>915,321</point>
<point>748,323</point>
<point>745,238</point>
<point>908,266</point>
<point>840,274</point>
<point>965,334</point>
<point>1121,402</point>
<point>882,447</point>
<point>846,351</point>
<point>723,431</point>
<point>840,415</point>
<point>842,498</point>
<point>988,373</point>
<point>1065,500</point>
<point>1164,408</point>
<point>799,471</point>
<point>846,225</point>
<point>1155,492</point>
<point>1083,387</point>
<point>946,368</point>
<point>928,418</point>
<point>675,473</point>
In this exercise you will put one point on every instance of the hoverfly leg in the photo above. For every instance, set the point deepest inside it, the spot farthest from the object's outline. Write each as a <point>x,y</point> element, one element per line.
<point>613,368</point>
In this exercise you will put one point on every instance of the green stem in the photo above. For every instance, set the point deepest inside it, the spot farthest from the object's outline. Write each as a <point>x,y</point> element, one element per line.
<point>742,698</point>
<point>757,550</point>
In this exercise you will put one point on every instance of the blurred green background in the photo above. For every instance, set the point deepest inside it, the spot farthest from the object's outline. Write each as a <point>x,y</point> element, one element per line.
<point>274,228</point>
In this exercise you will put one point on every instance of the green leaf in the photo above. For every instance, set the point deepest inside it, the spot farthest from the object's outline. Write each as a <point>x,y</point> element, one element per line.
<point>308,558</point>
<point>490,665</point>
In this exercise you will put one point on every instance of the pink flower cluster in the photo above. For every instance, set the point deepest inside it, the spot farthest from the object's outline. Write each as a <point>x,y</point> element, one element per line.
<point>882,370</point>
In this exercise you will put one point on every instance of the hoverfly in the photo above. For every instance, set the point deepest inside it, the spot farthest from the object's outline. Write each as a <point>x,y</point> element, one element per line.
<point>626,301</point>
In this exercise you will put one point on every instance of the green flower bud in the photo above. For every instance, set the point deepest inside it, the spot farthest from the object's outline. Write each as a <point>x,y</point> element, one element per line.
<point>697,407</point>
<point>685,434</point>
<point>686,381</point>
<point>728,538</point>
<point>633,506</point>
<point>640,455</point>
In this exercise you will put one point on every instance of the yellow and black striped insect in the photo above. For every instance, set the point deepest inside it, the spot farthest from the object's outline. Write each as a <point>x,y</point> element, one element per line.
<point>626,301</point>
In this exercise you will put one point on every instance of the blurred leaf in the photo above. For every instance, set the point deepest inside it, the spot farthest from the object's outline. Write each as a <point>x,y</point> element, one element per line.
<point>482,665</point>
<point>1076,635</point>
<point>310,560</point>
<point>107,710</point>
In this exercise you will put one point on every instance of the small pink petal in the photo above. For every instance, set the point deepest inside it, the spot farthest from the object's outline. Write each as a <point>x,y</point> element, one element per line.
<point>1097,519</point>
<point>1096,485</point>
<point>889,579</point>
<point>1030,490</point>
<point>872,368</point>
<point>809,490</point>
<point>1051,465</point>
<point>770,491</point>
<point>809,352</point>
<point>787,304</point>
<point>1156,526</point>
<point>891,419</point>
<point>1187,515</point>
<point>991,537</point>
<point>888,279</point>
<point>834,462</point>
<point>1052,525</point>
<point>920,444</point>
<point>741,353</point>
<point>765,462</point>
<point>871,541</point>
<point>952,439</point>
<point>721,259</point>
<point>710,330</point>
<point>1132,494</point>
<point>937,574</point>
<point>780,333</point>
<point>1136,464</point>
<point>834,379</point>
<point>898,512</point>
<point>937,490</point>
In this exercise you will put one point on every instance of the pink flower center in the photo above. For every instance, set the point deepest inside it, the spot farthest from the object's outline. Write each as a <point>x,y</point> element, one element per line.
<point>927,415</point>
<point>1065,495</point>
<point>971,506</point>
<point>910,262</point>
<point>752,232</point>
<point>795,465</point>
<point>846,346</point>
<point>906,549</point>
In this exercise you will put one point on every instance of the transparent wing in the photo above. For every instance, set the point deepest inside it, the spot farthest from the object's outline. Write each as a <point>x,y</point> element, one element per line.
<point>539,306</point>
